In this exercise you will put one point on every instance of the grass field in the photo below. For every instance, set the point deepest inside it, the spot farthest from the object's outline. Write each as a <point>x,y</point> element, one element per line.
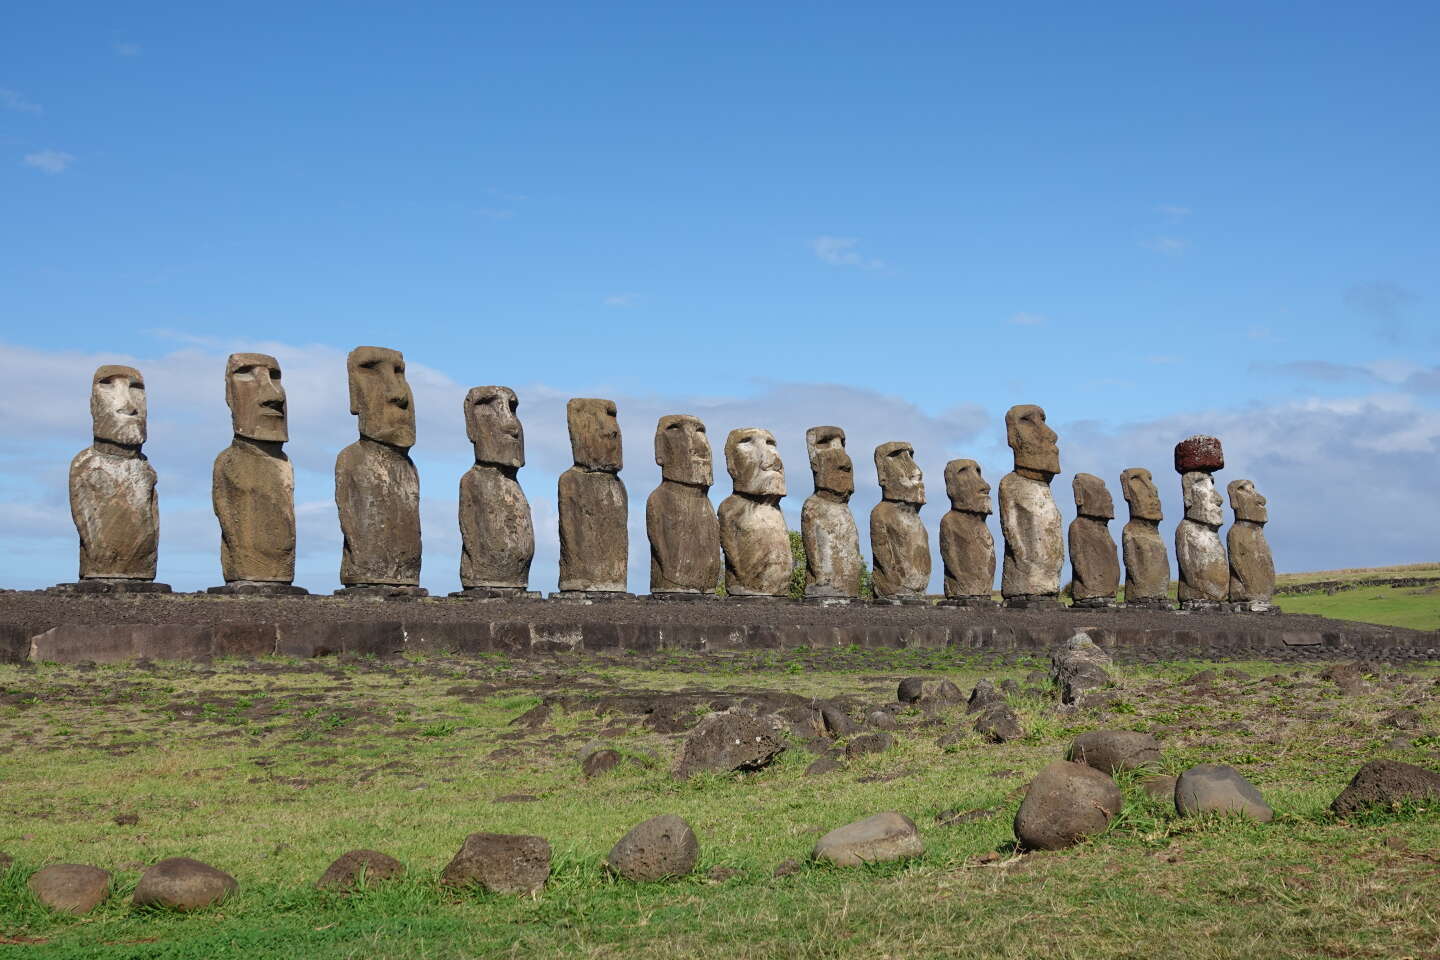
<point>270,770</point>
<point>1417,608</point>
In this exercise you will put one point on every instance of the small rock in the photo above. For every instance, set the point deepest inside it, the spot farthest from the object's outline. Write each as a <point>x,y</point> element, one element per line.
<point>1009,687</point>
<point>787,867</point>
<point>725,742</point>
<point>999,724</point>
<point>6,861</point>
<point>989,856</point>
<point>1406,719</point>
<point>719,874</point>
<point>983,697</point>
<point>1386,782</point>
<point>1219,788</point>
<point>601,761</point>
<point>1078,667</point>
<point>500,863</point>
<point>954,738</point>
<point>1066,802</point>
<point>180,883</point>
<point>1202,679</point>
<point>1161,788</point>
<point>883,720</point>
<point>826,764</point>
<point>515,798</point>
<point>536,716</point>
<point>955,818</point>
<point>922,689</point>
<point>661,847</point>
<point>868,743</point>
<point>878,839</point>
<point>1111,751</point>
<point>126,819</point>
<point>358,867</point>
<point>1037,678</point>
<point>70,887</point>
<point>837,722</point>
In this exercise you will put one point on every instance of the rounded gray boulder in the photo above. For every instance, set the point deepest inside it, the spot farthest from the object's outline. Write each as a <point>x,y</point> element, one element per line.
<point>1111,751</point>
<point>877,839</point>
<point>70,887</point>
<point>1219,788</point>
<point>1066,803</point>
<point>358,867</point>
<point>661,847</point>
<point>180,883</point>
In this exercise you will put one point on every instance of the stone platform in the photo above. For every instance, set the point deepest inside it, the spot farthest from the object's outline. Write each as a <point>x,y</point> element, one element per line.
<point>106,629</point>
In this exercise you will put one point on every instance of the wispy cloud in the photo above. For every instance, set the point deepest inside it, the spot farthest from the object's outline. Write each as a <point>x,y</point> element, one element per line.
<point>842,252</point>
<point>1166,244</point>
<point>12,100</point>
<point>49,161</point>
<point>1173,211</point>
<point>126,49</point>
<point>621,300</point>
<point>1027,320</point>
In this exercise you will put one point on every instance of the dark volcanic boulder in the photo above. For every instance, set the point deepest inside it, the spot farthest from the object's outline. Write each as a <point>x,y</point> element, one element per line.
<point>1111,751</point>
<point>1078,667</point>
<point>728,741</point>
<point>1066,803</point>
<point>868,743</point>
<point>999,724</point>
<point>928,690</point>
<point>983,697</point>
<point>1219,788</point>
<point>358,867</point>
<point>661,847</point>
<point>1381,783</point>
<point>180,883</point>
<point>500,863</point>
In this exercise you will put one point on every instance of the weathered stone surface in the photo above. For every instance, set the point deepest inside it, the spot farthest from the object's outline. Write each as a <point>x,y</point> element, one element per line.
<point>1160,787</point>
<point>928,689</point>
<point>1111,751</point>
<point>70,887</point>
<point>877,839</point>
<point>600,761</point>
<point>1147,562</point>
<point>359,868</point>
<point>898,540</point>
<point>967,548</point>
<point>497,531</point>
<point>998,723</point>
<point>1029,519</point>
<point>180,883</point>
<point>682,524</point>
<point>1200,453</point>
<point>253,482</point>
<point>1066,803</point>
<point>1219,788</point>
<point>1252,568</point>
<point>868,743</point>
<point>1079,667</point>
<point>752,528</point>
<point>661,847</point>
<point>593,505</point>
<point>1093,558</point>
<point>112,485</point>
<point>827,528</point>
<point>1204,568</point>
<point>377,490</point>
<point>500,863</point>
<point>723,742</point>
<point>983,696</point>
<point>828,763</point>
<point>1381,783</point>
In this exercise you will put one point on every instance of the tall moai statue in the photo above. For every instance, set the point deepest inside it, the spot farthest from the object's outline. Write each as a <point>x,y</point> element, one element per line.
<point>1252,568</point>
<point>594,508</point>
<point>497,534</point>
<point>253,483</point>
<point>827,528</point>
<point>1204,570</point>
<point>898,540</point>
<point>1147,562</point>
<point>377,489</point>
<point>685,561</point>
<point>1029,519</point>
<point>1094,563</point>
<point>112,491</point>
<point>967,548</point>
<point>758,563</point>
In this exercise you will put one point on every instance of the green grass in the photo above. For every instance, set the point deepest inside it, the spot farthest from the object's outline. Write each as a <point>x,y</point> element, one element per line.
<point>271,775</point>
<point>1417,608</point>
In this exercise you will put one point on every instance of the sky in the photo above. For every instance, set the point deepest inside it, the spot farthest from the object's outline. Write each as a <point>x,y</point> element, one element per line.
<point>1153,220</point>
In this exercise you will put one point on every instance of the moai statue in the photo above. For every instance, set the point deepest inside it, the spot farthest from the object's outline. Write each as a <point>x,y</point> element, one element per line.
<point>1094,564</point>
<point>827,528</point>
<point>966,546</point>
<point>752,529</point>
<point>685,560</point>
<point>1029,519</point>
<point>377,488</point>
<point>594,508</point>
<point>898,540</point>
<point>1252,568</point>
<point>1204,570</point>
<point>112,491</point>
<point>497,535</point>
<point>253,483</point>
<point>1147,562</point>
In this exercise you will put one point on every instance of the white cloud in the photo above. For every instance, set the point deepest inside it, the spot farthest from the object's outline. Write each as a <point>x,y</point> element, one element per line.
<point>49,161</point>
<point>11,100</point>
<point>621,300</point>
<point>1166,245</point>
<point>842,252</point>
<point>1027,320</point>
<point>123,49</point>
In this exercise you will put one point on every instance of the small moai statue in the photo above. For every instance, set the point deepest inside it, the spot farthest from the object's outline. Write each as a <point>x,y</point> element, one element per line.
<point>594,507</point>
<point>253,483</point>
<point>967,547</point>
<point>758,563</point>
<point>1204,570</point>
<point>1029,519</point>
<point>827,528</point>
<point>1147,562</point>
<point>112,491</point>
<point>377,488</point>
<point>685,560</point>
<point>1252,568</point>
<point>898,540</point>
<point>1094,562</point>
<point>497,533</point>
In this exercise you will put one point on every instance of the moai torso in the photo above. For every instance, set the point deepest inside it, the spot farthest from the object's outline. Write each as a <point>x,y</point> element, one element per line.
<point>253,482</point>
<point>753,536</point>
<point>1094,563</point>
<point>1147,562</point>
<point>593,504</point>
<point>497,534</point>
<point>967,547</point>
<point>827,527</point>
<point>1204,569</point>
<point>1252,568</point>
<point>1029,519</point>
<point>898,540</point>
<point>683,528</point>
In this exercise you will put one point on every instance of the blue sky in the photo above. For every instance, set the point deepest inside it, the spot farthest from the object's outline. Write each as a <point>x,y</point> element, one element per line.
<point>1152,221</point>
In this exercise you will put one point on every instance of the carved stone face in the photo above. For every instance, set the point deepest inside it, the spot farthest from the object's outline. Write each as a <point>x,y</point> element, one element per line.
<point>966,488</point>
<point>1203,503</point>
<point>1091,497</point>
<point>899,474</point>
<point>255,397</point>
<point>1247,503</point>
<point>1138,488</point>
<point>829,461</point>
<point>594,434</point>
<point>380,396</point>
<point>754,462</point>
<point>117,405</point>
<point>493,427</point>
<point>682,451</point>
<point>1032,440</point>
